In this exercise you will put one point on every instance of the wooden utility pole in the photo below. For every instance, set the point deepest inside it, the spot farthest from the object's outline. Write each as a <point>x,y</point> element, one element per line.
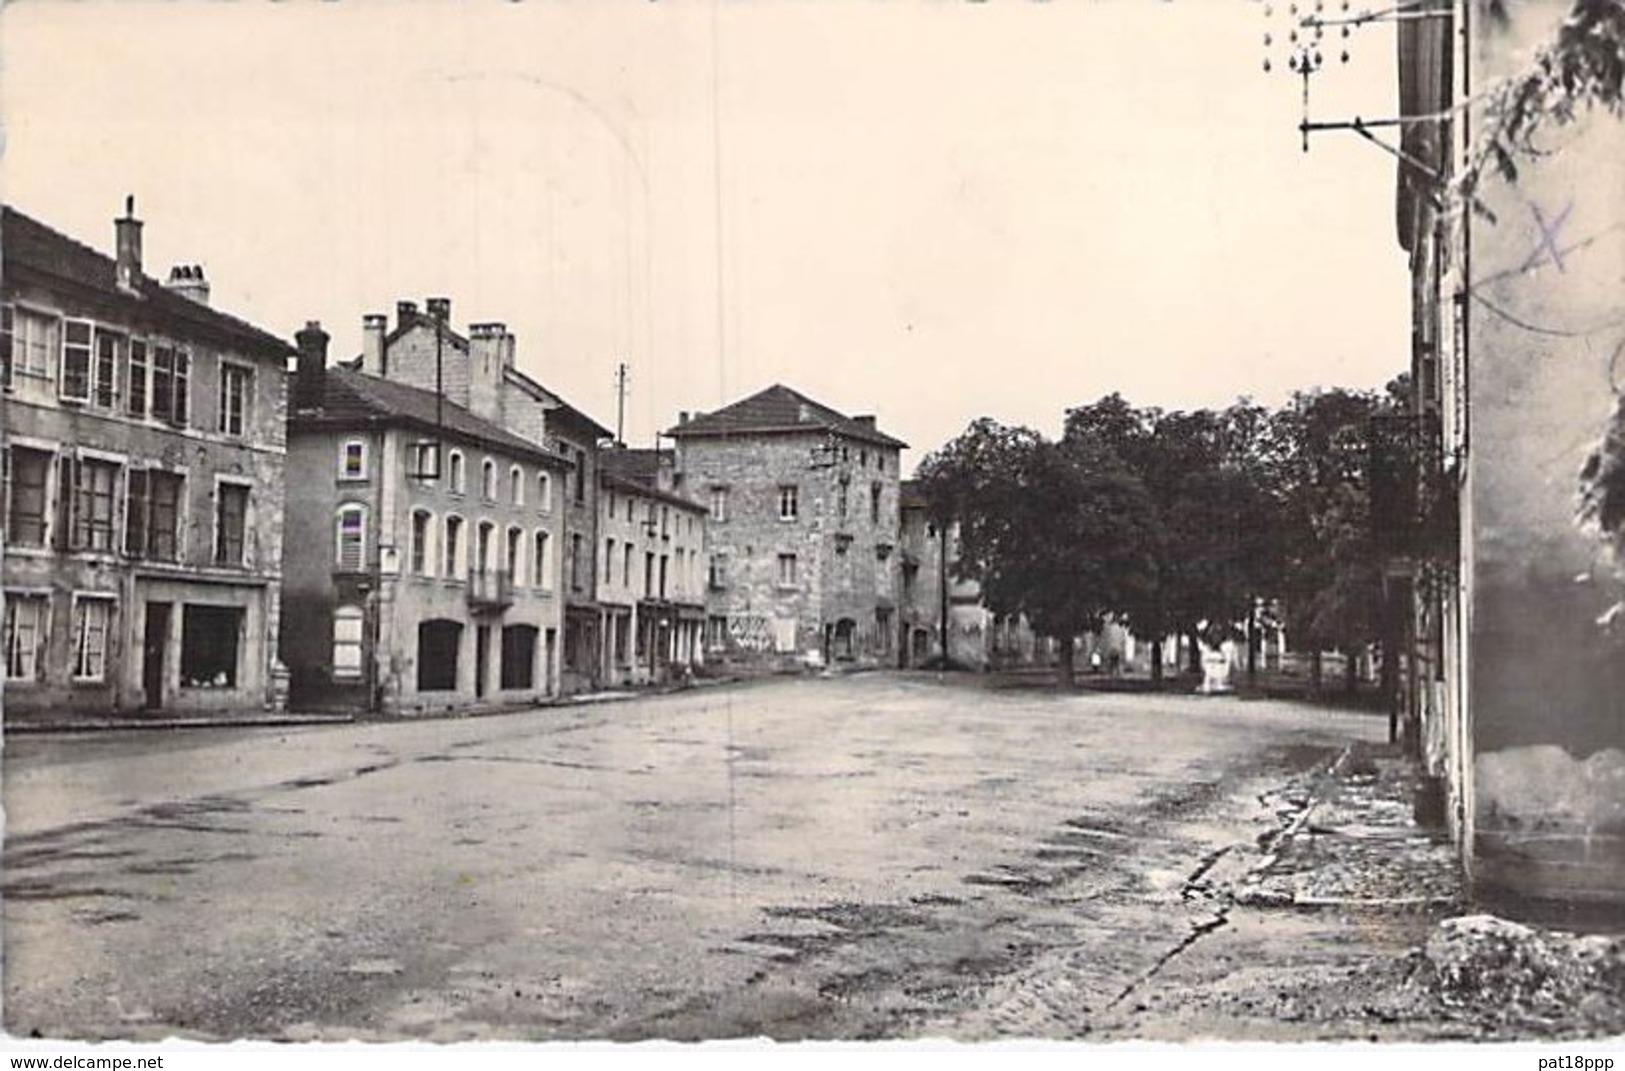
<point>620,403</point>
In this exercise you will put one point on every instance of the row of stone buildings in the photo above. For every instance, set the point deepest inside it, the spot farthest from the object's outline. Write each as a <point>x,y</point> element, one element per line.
<point>200,517</point>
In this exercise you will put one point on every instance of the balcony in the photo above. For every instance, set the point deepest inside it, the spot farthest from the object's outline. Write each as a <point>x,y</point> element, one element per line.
<point>489,590</point>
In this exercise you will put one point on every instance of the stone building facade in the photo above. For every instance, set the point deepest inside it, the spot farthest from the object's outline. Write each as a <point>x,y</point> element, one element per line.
<point>652,583</point>
<point>1513,678</point>
<point>144,452</point>
<point>423,561</point>
<point>802,528</point>
<point>931,586</point>
<point>478,372</point>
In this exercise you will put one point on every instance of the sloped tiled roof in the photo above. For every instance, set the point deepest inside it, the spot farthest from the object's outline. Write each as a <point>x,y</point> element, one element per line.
<point>648,490</point>
<point>35,253</point>
<point>778,410</point>
<point>351,398</point>
<point>633,463</point>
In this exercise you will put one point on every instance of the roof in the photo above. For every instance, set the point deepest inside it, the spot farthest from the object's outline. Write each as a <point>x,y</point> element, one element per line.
<point>35,253</point>
<point>351,398</point>
<point>558,404</point>
<point>780,410</point>
<point>633,463</point>
<point>647,490</point>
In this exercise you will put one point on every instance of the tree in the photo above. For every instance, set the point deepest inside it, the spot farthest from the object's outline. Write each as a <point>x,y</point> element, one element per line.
<point>1332,573</point>
<point>1055,531</point>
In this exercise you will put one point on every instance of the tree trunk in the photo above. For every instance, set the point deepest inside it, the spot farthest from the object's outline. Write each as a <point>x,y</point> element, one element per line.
<point>1068,675</point>
<point>1315,672</point>
<point>1193,661</point>
<point>1252,645</point>
<point>1156,662</point>
<point>1351,673</point>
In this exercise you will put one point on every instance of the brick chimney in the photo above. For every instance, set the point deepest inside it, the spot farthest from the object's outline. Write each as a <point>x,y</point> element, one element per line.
<point>310,377</point>
<point>490,351</point>
<point>406,313</point>
<point>373,326</point>
<point>127,235</point>
<point>189,282</point>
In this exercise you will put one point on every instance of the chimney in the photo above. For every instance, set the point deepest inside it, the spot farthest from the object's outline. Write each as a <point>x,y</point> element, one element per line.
<point>127,233</point>
<point>866,419</point>
<point>488,345</point>
<point>309,384</point>
<point>406,312</point>
<point>439,308</point>
<point>682,417</point>
<point>189,282</point>
<point>373,325</point>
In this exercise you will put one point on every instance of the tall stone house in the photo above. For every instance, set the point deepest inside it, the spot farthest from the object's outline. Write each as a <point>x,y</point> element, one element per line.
<point>143,474</point>
<point>652,585</point>
<point>1511,680</point>
<point>422,566</point>
<point>802,529</point>
<point>478,372</point>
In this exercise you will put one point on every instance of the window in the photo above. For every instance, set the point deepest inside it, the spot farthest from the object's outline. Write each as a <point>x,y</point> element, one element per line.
<point>575,562</point>
<point>719,572</point>
<point>210,638</point>
<point>235,391</point>
<point>73,385</point>
<point>171,370</point>
<point>91,616</point>
<point>8,325</point>
<point>880,462</point>
<point>347,642</point>
<point>420,560</point>
<point>453,548</point>
<point>787,570</point>
<point>648,575</point>
<point>422,461</point>
<point>104,373</point>
<point>135,378</point>
<point>482,547</point>
<point>351,538</point>
<point>665,521</point>
<point>457,472</point>
<point>488,480</point>
<point>581,477</point>
<point>626,566</point>
<point>516,551</point>
<point>609,560</point>
<point>26,629</point>
<point>665,560</point>
<point>33,342</point>
<point>152,510</point>
<point>516,486</point>
<point>90,487</point>
<point>841,500</point>
<point>26,474</point>
<point>544,491</point>
<point>874,503</point>
<point>230,523</point>
<point>541,567</point>
<point>789,506</point>
<point>353,460</point>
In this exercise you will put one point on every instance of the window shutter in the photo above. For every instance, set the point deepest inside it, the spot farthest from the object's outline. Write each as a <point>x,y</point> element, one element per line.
<point>67,486</point>
<point>6,330</point>
<point>182,381</point>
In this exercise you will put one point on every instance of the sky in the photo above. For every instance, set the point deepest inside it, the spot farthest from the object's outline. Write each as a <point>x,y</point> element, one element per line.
<point>932,210</point>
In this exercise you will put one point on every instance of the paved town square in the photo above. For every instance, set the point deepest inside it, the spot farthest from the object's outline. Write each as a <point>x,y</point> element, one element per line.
<point>876,856</point>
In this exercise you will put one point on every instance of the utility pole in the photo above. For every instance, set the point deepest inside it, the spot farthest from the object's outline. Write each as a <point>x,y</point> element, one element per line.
<point>942,591</point>
<point>620,402</point>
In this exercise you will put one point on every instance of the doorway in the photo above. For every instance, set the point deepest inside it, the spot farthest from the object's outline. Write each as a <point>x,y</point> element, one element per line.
<point>482,658</point>
<point>155,638</point>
